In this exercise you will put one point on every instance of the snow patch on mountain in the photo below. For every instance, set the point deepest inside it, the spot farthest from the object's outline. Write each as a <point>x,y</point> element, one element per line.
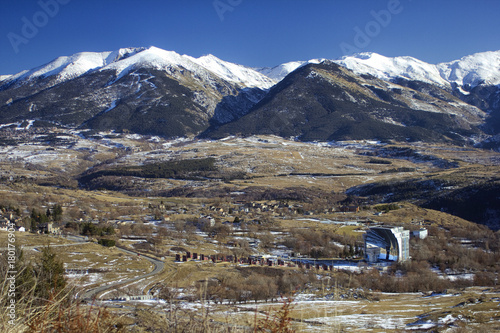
<point>127,59</point>
<point>473,70</point>
<point>234,73</point>
<point>468,72</point>
<point>4,77</point>
<point>157,58</point>
<point>152,57</point>
<point>122,53</point>
<point>111,107</point>
<point>279,72</point>
<point>66,67</point>
<point>388,69</point>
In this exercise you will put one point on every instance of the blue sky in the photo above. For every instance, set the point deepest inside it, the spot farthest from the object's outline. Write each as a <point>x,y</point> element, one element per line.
<point>255,33</point>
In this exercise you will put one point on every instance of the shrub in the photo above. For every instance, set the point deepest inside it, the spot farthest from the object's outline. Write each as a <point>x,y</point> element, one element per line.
<point>378,161</point>
<point>386,207</point>
<point>107,242</point>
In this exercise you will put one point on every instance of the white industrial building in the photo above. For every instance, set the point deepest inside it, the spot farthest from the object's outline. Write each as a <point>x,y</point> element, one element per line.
<point>387,243</point>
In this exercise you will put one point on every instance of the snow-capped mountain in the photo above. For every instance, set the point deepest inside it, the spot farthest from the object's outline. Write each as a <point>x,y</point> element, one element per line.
<point>145,90</point>
<point>154,91</point>
<point>159,59</point>
<point>326,101</point>
<point>468,72</point>
<point>473,70</point>
<point>235,73</point>
<point>69,67</point>
<point>125,60</point>
<point>389,69</point>
<point>475,79</point>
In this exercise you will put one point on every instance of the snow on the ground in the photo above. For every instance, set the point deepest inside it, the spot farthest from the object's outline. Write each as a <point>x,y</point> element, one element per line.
<point>364,321</point>
<point>84,280</point>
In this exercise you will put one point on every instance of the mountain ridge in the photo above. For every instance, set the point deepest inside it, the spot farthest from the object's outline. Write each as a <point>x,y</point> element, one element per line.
<point>147,90</point>
<point>324,102</point>
<point>471,70</point>
<point>150,90</point>
<point>69,67</point>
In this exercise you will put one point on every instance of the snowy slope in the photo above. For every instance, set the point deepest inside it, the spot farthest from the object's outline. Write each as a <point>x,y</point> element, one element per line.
<point>279,72</point>
<point>67,68</point>
<point>157,58</point>
<point>124,60</point>
<point>388,69</point>
<point>4,77</point>
<point>473,70</point>
<point>469,71</point>
<point>235,73</point>
<point>151,57</point>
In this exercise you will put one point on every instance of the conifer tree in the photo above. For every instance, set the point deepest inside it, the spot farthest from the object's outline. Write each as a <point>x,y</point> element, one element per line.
<point>49,275</point>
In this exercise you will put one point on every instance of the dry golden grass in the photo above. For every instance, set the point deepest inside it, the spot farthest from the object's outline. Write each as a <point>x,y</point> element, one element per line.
<point>473,308</point>
<point>412,214</point>
<point>266,161</point>
<point>24,239</point>
<point>350,230</point>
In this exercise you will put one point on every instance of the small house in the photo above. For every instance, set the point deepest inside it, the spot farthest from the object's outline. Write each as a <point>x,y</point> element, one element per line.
<point>48,228</point>
<point>349,209</point>
<point>422,233</point>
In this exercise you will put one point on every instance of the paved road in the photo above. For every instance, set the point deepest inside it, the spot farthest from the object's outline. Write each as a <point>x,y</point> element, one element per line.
<point>91,293</point>
<point>158,267</point>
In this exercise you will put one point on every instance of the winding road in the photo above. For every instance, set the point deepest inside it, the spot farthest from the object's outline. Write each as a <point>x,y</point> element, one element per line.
<point>91,293</point>
<point>158,267</point>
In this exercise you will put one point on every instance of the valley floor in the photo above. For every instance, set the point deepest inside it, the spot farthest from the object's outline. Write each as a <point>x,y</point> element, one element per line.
<point>258,197</point>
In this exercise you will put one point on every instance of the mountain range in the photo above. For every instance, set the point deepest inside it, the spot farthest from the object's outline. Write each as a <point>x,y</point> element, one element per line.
<point>364,96</point>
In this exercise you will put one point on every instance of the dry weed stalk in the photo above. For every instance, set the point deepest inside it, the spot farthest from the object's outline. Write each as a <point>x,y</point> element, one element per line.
<point>278,322</point>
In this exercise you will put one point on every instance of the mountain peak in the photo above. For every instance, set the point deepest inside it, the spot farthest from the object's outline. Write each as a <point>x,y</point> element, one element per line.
<point>469,71</point>
<point>389,69</point>
<point>473,70</point>
<point>279,72</point>
<point>231,72</point>
<point>363,55</point>
<point>151,57</point>
<point>125,59</point>
<point>123,53</point>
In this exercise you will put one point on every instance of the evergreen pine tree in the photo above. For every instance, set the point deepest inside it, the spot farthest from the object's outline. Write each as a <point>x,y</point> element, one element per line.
<point>49,275</point>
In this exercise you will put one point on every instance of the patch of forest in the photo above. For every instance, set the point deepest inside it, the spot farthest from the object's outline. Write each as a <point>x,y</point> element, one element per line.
<point>256,193</point>
<point>192,169</point>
